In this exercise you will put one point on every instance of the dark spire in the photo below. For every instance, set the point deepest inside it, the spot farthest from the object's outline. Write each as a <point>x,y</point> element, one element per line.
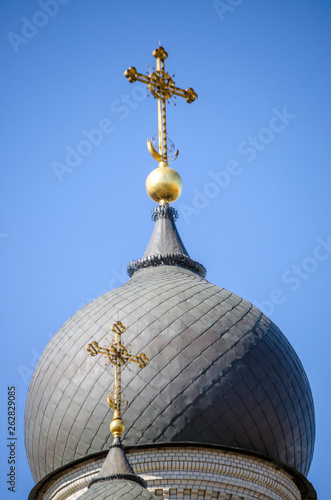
<point>165,246</point>
<point>116,466</point>
<point>165,237</point>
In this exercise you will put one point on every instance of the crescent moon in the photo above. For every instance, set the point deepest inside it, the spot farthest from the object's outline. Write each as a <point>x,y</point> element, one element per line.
<point>111,403</point>
<point>153,151</point>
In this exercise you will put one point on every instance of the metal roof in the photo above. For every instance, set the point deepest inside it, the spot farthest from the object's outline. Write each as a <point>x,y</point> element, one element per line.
<point>220,371</point>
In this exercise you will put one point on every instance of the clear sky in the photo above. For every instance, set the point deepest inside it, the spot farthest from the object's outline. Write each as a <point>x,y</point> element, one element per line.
<point>254,159</point>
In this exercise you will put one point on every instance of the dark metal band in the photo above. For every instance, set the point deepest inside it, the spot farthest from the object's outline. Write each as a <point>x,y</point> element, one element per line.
<point>170,259</point>
<point>129,477</point>
<point>164,212</point>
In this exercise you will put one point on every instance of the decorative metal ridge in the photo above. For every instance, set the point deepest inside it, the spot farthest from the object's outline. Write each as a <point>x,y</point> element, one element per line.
<point>117,445</point>
<point>164,212</point>
<point>167,259</point>
<point>129,477</point>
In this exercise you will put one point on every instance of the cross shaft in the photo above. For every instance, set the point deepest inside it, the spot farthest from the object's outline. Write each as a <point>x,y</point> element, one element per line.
<point>162,87</point>
<point>119,356</point>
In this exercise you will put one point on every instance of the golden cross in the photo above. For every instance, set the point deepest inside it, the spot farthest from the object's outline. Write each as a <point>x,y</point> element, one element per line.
<point>162,87</point>
<point>119,356</point>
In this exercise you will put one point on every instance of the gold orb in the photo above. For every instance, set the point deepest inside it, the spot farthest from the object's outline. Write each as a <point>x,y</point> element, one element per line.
<point>117,427</point>
<point>164,185</point>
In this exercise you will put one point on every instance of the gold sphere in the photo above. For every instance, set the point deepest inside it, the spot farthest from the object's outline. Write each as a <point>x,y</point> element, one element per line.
<point>117,427</point>
<point>164,184</point>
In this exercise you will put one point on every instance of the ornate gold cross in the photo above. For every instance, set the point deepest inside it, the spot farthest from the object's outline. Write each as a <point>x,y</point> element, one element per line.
<point>119,356</point>
<point>162,87</point>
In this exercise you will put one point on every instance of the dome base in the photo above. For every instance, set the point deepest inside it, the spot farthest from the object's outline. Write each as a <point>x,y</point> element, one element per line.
<point>183,471</point>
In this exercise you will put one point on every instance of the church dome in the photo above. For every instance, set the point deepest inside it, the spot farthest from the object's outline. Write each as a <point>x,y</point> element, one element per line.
<point>220,371</point>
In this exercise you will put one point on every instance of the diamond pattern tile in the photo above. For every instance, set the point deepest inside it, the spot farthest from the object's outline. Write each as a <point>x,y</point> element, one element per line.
<point>220,372</point>
<point>119,489</point>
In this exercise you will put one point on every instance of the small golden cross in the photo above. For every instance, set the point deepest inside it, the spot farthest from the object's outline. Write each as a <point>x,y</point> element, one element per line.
<point>119,356</point>
<point>162,87</point>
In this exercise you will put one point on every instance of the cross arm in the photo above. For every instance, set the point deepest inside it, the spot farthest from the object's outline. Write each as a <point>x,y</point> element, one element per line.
<point>132,75</point>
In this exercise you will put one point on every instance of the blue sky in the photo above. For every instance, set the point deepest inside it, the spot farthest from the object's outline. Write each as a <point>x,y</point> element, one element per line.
<point>254,159</point>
